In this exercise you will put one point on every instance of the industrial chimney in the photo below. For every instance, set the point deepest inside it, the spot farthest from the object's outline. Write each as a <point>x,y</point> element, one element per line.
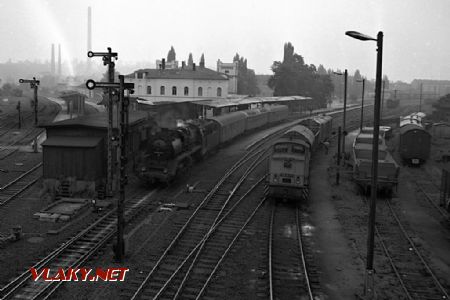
<point>59,60</point>
<point>53,60</point>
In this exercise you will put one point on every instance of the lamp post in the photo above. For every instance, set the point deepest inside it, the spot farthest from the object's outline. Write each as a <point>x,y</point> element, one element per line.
<point>362,103</point>
<point>368,290</point>
<point>344,132</point>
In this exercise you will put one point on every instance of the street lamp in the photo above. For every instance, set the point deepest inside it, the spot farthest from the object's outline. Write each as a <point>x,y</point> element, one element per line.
<point>362,103</point>
<point>345,108</point>
<point>376,130</point>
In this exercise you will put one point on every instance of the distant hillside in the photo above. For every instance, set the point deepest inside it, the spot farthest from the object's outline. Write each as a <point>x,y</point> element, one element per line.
<point>264,90</point>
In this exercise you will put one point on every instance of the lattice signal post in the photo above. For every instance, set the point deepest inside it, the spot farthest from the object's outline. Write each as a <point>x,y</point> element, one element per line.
<point>108,58</point>
<point>124,102</point>
<point>34,85</point>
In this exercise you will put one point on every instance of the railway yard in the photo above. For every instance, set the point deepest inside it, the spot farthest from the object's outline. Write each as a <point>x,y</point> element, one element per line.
<point>214,234</point>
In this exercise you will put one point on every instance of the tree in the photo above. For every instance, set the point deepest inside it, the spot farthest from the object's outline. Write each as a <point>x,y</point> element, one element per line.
<point>293,77</point>
<point>190,60</point>
<point>171,56</point>
<point>202,61</point>
<point>321,70</point>
<point>246,79</point>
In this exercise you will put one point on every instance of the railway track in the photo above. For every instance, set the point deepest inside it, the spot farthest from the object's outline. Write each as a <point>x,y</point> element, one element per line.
<point>414,274</point>
<point>189,262</point>
<point>71,254</point>
<point>289,276</point>
<point>18,185</point>
<point>429,189</point>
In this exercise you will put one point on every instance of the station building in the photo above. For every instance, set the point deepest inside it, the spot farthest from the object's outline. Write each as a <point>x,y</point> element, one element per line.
<point>168,92</point>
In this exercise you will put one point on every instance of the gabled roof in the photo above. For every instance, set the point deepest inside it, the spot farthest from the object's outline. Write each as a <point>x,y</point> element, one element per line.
<point>199,73</point>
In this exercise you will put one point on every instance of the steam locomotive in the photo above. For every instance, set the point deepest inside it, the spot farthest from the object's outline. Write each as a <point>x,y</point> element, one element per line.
<point>170,152</point>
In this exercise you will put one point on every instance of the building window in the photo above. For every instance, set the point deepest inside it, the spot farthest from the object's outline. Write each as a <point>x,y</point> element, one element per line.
<point>227,71</point>
<point>162,90</point>
<point>174,90</point>
<point>186,91</point>
<point>149,90</point>
<point>219,92</point>
<point>200,91</point>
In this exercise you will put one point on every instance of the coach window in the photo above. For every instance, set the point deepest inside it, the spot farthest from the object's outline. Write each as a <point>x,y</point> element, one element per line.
<point>186,91</point>
<point>219,92</point>
<point>162,90</point>
<point>174,90</point>
<point>200,91</point>
<point>149,90</point>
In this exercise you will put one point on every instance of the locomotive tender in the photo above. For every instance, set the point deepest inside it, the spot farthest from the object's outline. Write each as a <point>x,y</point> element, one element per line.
<point>172,151</point>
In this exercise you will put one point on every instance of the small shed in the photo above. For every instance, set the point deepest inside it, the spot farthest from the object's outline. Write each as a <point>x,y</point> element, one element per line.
<point>76,149</point>
<point>75,102</point>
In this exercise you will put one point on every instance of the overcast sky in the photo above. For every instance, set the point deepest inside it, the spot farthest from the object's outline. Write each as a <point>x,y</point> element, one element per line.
<point>416,32</point>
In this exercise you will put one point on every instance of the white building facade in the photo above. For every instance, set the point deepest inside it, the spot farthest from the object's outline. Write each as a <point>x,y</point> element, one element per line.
<point>178,85</point>
<point>231,70</point>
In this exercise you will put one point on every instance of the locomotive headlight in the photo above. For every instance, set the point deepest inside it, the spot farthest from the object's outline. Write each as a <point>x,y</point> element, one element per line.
<point>165,171</point>
<point>275,178</point>
<point>143,169</point>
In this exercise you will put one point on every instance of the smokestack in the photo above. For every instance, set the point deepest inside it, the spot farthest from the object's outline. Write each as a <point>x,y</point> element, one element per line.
<point>163,63</point>
<point>53,59</point>
<point>193,67</point>
<point>59,60</point>
<point>89,30</point>
<point>183,64</point>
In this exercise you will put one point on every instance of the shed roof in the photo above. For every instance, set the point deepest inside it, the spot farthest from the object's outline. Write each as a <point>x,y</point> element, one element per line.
<point>72,142</point>
<point>187,73</point>
<point>98,120</point>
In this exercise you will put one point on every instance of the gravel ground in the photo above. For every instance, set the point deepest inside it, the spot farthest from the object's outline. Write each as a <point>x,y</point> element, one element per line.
<point>338,218</point>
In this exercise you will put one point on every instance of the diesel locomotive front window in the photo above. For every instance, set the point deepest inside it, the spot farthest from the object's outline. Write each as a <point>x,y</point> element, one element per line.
<point>298,149</point>
<point>280,149</point>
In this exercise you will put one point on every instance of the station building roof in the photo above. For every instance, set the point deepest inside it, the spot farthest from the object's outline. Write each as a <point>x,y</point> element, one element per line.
<point>180,73</point>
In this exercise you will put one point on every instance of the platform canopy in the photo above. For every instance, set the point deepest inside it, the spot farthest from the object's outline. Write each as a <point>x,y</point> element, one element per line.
<point>235,101</point>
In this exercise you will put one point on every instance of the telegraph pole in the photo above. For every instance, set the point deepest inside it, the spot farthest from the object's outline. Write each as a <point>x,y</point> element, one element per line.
<point>34,85</point>
<point>119,248</point>
<point>108,60</point>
